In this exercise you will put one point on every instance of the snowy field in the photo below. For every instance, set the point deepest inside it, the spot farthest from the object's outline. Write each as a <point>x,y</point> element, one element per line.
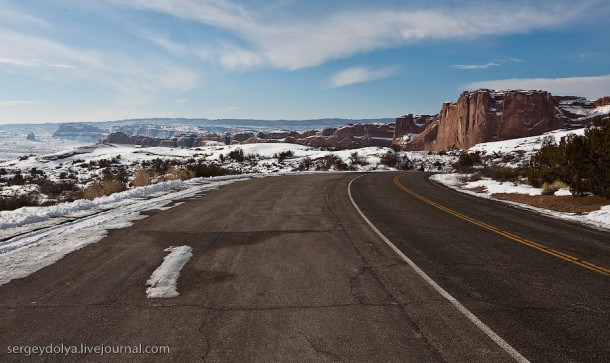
<point>13,142</point>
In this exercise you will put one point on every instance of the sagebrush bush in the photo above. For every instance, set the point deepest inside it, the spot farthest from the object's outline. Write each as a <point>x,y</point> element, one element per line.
<point>201,170</point>
<point>105,187</point>
<point>305,164</point>
<point>467,161</point>
<point>284,155</point>
<point>389,159</point>
<point>550,189</point>
<point>141,178</point>
<point>17,201</point>
<point>175,173</point>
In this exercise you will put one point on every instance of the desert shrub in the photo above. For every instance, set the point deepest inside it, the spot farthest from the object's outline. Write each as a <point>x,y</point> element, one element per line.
<point>582,162</point>
<point>550,189</point>
<point>467,161</point>
<point>56,189</point>
<point>389,159</point>
<point>305,164</point>
<point>105,187</point>
<point>180,173</point>
<point>284,155</point>
<point>503,173</point>
<point>396,147</point>
<point>141,178</point>
<point>356,159</point>
<point>201,170</point>
<point>17,201</point>
<point>331,161</point>
<point>236,155</point>
<point>17,179</point>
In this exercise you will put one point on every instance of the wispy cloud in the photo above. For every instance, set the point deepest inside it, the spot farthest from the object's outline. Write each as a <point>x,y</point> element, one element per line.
<point>135,82</point>
<point>495,63</point>
<point>299,43</point>
<point>475,66</point>
<point>590,87</point>
<point>355,75</point>
<point>11,103</point>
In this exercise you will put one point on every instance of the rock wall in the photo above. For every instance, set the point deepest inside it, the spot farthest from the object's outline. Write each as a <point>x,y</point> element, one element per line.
<point>346,137</point>
<point>484,116</point>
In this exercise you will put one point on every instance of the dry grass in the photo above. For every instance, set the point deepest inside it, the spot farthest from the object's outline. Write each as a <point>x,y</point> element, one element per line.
<point>479,189</point>
<point>179,173</point>
<point>141,178</point>
<point>106,187</point>
<point>558,203</point>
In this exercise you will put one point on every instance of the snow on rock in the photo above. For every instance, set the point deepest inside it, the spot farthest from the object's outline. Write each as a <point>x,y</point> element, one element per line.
<point>527,144</point>
<point>164,280</point>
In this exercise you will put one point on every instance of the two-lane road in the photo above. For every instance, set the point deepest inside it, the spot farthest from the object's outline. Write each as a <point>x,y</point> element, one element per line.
<point>285,268</point>
<point>546,306</point>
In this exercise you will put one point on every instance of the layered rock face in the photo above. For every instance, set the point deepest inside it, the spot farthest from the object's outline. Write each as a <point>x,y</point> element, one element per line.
<point>347,137</point>
<point>180,140</point>
<point>484,116</point>
<point>80,132</point>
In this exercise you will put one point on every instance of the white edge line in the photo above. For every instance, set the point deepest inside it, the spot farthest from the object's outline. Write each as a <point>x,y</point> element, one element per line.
<point>490,333</point>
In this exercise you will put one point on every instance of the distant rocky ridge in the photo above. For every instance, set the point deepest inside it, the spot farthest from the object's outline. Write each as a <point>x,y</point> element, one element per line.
<point>484,116</point>
<point>79,131</point>
<point>349,136</point>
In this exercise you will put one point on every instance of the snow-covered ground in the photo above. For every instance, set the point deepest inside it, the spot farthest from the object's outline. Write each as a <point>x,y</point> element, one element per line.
<point>487,187</point>
<point>13,142</point>
<point>34,237</point>
<point>26,247</point>
<point>526,144</point>
<point>521,149</point>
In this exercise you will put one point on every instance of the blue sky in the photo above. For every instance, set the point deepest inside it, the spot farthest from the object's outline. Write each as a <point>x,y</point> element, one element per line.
<point>74,60</point>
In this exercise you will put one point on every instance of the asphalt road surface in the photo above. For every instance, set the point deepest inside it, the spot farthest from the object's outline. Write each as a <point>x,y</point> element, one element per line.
<point>286,269</point>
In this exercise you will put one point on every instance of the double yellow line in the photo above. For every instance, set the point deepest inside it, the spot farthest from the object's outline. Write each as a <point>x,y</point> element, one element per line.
<point>538,246</point>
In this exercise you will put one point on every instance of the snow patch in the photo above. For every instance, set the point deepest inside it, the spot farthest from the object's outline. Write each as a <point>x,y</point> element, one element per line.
<point>598,219</point>
<point>164,280</point>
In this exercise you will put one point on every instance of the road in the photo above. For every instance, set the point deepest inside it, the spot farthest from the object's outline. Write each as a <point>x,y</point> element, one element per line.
<point>285,268</point>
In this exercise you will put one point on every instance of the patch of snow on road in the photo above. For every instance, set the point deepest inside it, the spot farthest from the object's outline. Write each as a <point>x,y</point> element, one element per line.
<point>164,280</point>
<point>26,251</point>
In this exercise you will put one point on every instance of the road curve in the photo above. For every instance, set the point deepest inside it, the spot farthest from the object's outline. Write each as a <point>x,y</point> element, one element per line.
<point>547,307</point>
<point>284,268</point>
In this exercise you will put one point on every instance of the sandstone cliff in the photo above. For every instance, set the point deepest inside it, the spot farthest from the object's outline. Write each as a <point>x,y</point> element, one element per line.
<point>484,115</point>
<point>350,136</point>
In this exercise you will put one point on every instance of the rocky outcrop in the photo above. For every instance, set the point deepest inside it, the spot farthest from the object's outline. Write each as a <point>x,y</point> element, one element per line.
<point>79,132</point>
<point>409,126</point>
<point>31,136</point>
<point>350,136</point>
<point>484,115</point>
<point>346,137</point>
<point>604,101</point>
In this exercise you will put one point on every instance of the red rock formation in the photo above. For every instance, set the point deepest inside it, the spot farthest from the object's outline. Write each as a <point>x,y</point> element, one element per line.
<point>604,101</point>
<point>483,116</point>
<point>346,137</point>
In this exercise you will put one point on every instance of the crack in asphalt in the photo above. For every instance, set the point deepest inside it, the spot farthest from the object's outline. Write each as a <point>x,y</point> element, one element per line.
<point>326,353</point>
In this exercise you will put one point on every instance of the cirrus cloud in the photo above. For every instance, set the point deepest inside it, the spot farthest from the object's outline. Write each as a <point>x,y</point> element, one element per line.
<point>355,75</point>
<point>298,42</point>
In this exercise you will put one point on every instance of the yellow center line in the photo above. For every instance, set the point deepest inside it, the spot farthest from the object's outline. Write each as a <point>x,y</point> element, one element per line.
<point>538,246</point>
